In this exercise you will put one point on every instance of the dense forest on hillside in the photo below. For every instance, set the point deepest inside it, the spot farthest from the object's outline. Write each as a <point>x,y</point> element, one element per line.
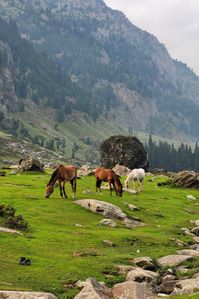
<point>168,157</point>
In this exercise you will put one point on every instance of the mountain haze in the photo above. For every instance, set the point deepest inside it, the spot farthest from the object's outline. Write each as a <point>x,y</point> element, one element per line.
<point>83,60</point>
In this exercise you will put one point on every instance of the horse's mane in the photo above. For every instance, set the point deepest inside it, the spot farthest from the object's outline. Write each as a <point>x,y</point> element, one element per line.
<point>53,175</point>
<point>117,180</point>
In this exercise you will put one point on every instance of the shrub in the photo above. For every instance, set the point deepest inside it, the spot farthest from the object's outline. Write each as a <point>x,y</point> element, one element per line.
<point>16,222</point>
<point>10,219</point>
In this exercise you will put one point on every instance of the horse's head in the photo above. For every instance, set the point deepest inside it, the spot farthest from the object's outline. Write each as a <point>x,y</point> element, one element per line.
<point>49,190</point>
<point>119,191</point>
<point>118,187</point>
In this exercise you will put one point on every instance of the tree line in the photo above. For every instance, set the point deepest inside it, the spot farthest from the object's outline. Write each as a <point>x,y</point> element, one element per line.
<point>167,156</point>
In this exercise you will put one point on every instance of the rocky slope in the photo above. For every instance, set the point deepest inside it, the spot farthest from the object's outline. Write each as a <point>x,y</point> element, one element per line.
<point>114,70</point>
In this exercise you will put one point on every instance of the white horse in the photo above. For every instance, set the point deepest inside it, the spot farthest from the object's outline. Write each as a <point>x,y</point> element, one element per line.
<point>138,175</point>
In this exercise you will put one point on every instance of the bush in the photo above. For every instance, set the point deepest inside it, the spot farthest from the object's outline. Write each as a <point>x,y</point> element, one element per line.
<point>10,219</point>
<point>16,222</point>
<point>6,211</point>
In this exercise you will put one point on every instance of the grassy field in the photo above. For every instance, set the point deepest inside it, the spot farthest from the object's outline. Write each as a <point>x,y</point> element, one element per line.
<point>63,252</point>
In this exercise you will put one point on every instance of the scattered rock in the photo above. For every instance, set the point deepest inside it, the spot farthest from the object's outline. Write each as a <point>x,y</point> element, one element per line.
<point>196,239</point>
<point>132,207</point>
<point>141,275</point>
<point>108,222</point>
<point>187,179</point>
<point>195,246</point>
<point>108,210</point>
<point>167,287</point>
<point>182,270</point>
<point>191,197</point>
<point>9,230</point>
<point>30,164</point>
<point>131,191</point>
<point>133,290</point>
<point>94,290</point>
<point>2,173</point>
<point>173,260</point>
<point>189,252</point>
<point>108,243</point>
<point>195,231</point>
<point>87,191</point>
<point>186,231</point>
<point>123,269</point>
<point>186,286</point>
<point>84,170</point>
<point>197,222</point>
<point>104,208</point>
<point>121,170</point>
<point>132,222</point>
<point>25,295</point>
<point>144,262</point>
<point>178,242</point>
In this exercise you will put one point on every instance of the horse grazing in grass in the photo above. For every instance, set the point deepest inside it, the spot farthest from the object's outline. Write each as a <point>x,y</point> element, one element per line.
<point>138,175</point>
<point>62,174</point>
<point>108,175</point>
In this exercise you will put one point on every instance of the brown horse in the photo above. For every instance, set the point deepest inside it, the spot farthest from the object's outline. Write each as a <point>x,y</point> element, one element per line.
<point>108,175</point>
<point>62,174</point>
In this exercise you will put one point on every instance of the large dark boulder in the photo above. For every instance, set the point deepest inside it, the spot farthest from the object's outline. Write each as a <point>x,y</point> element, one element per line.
<point>30,164</point>
<point>123,150</point>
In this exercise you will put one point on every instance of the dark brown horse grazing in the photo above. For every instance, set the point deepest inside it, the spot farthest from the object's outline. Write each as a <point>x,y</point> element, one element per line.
<point>62,174</point>
<point>108,175</point>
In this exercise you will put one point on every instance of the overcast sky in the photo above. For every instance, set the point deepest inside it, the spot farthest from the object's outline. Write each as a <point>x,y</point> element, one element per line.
<point>174,22</point>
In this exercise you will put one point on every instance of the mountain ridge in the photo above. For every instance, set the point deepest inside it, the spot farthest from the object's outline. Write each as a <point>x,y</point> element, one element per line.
<point>115,70</point>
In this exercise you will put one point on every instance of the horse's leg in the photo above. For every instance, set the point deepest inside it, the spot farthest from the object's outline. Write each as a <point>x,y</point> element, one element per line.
<point>139,185</point>
<point>98,185</point>
<point>60,188</point>
<point>65,195</point>
<point>142,184</point>
<point>134,184</point>
<point>73,184</point>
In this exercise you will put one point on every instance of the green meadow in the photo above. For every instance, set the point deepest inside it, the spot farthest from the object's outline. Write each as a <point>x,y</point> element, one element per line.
<point>65,242</point>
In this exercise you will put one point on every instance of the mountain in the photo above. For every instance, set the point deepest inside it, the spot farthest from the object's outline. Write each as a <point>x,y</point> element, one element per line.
<point>86,63</point>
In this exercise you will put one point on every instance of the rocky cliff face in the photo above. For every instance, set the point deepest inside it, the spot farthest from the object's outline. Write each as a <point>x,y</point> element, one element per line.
<point>124,72</point>
<point>8,99</point>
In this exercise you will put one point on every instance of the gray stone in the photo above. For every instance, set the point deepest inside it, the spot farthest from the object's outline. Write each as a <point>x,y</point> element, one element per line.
<point>195,231</point>
<point>144,262</point>
<point>173,260</point>
<point>141,275</point>
<point>132,207</point>
<point>108,222</point>
<point>94,290</point>
<point>133,290</point>
<point>131,191</point>
<point>187,179</point>
<point>104,208</point>
<point>189,252</point>
<point>187,286</point>
<point>191,197</point>
<point>108,243</point>
<point>9,230</point>
<point>108,210</point>
<point>124,269</point>
<point>121,170</point>
<point>167,287</point>
<point>25,295</point>
<point>186,231</point>
<point>196,239</point>
<point>197,222</point>
<point>30,164</point>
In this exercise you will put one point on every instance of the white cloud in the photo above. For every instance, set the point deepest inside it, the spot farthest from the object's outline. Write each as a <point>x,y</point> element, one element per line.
<point>174,22</point>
